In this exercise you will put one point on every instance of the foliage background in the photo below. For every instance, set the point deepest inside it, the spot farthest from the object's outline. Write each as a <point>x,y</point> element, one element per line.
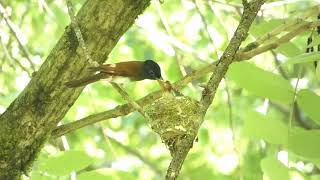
<point>244,135</point>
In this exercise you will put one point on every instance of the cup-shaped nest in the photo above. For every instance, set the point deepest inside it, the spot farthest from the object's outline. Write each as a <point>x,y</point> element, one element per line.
<point>173,118</point>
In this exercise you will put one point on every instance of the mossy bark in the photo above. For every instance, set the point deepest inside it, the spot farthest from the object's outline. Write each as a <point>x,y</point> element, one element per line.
<point>29,120</point>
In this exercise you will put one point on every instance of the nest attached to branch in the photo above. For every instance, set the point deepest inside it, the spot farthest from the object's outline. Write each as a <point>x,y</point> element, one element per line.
<point>174,118</point>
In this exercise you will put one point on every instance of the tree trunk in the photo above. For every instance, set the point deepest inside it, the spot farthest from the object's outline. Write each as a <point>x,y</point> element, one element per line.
<point>28,121</point>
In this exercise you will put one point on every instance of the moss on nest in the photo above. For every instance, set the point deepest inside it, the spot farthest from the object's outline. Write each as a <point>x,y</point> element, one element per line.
<point>173,118</point>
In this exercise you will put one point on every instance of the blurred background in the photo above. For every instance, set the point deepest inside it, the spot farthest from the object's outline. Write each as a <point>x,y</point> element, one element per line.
<point>244,135</point>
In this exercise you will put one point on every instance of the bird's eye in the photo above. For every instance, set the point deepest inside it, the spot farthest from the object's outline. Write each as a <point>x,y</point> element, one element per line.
<point>151,73</point>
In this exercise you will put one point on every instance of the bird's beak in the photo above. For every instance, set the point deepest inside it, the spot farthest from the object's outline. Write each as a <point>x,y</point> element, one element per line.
<point>162,83</point>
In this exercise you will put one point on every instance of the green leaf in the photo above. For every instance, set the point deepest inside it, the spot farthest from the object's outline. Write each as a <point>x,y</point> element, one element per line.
<point>261,82</point>
<point>273,169</point>
<point>318,72</point>
<point>303,58</point>
<point>305,143</point>
<point>309,102</point>
<point>66,162</point>
<point>315,177</point>
<point>105,173</point>
<point>38,176</point>
<point>289,49</point>
<point>258,126</point>
<point>316,162</point>
<point>264,27</point>
<point>203,136</point>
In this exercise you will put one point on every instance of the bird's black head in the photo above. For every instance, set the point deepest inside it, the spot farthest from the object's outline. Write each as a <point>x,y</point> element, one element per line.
<point>151,70</point>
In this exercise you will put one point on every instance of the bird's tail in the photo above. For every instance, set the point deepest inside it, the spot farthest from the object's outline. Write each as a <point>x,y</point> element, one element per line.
<point>86,80</point>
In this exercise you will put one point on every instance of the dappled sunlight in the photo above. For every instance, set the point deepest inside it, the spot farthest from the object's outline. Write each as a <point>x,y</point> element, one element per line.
<point>263,121</point>
<point>22,81</point>
<point>227,163</point>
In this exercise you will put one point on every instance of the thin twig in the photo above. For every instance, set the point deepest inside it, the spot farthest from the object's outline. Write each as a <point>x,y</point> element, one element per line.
<point>126,96</point>
<point>232,127</point>
<point>249,14</point>
<point>226,59</point>
<point>276,43</point>
<point>281,3</point>
<point>24,14</point>
<point>113,154</point>
<point>123,110</point>
<point>169,32</point>
<point>46,8</point>
<point>78,33</point>
<point>227,4</point>
<point>11,58</point>
<point>14,33</point>
<point>288,24</point>
<point>278,65</point>
<point>206,26</point>
<point>297,111</point>
<point>229,102</point>
<point>137,154</point>
<point>292,113</point>
<point>126,109</point>
<point>185,48</point>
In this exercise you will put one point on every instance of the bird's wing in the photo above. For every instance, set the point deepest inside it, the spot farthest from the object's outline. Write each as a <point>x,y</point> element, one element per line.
<point>126,69</point>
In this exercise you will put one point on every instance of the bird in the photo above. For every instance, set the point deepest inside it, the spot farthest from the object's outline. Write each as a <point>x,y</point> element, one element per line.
<point>123,71</point>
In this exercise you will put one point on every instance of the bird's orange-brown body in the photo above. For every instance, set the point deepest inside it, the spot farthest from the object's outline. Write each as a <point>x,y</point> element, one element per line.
<point>125,69</point>
<point>132,70</point>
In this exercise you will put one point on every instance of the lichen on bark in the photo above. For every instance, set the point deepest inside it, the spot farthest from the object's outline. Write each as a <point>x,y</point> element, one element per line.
<point>29,120</point>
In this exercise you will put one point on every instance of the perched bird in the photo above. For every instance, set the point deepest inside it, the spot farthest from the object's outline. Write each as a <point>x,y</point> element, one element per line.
<point>130,70</point>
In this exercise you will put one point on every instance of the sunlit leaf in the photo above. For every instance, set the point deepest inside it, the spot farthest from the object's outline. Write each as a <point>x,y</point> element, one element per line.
<point>66,162</point>
<point>309,102</point>
<point>315,177</point>
<point>265,27</point>
<point>303,58</point>
<point>318,72</point>
<point>273,169</point>
<point>305,143</point>
<point>258,126</point>
<point>289,49</point>
<point>261,82</point>
<point>203,136</point>
<point>38,176</point>
<point>106,173</point>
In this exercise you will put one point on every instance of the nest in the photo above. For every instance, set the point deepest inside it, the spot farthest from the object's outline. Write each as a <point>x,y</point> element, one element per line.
<point>173,118</point>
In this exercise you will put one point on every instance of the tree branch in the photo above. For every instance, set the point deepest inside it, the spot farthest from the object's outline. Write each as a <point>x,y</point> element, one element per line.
<point>165,24</point>
<point>125,109</point>
<point>206,26</point>
<point>284,39</point>
<point>250,11</point>
<point>249,14</point>
<point>288,24</point>
<point>29,120</point>
<point>126,97</point>
<point>78,33</point>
